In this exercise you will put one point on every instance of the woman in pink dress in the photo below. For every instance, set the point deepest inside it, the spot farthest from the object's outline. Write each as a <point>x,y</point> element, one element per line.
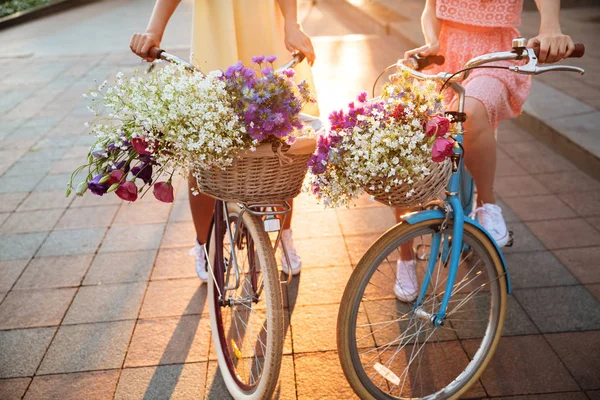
<point>461,30</point>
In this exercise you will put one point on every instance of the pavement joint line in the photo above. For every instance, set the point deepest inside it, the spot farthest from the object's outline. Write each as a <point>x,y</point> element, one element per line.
<point>120,373</point>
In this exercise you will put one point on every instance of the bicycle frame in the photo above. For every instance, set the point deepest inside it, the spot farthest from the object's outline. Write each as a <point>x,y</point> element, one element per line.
<point>455,208</point>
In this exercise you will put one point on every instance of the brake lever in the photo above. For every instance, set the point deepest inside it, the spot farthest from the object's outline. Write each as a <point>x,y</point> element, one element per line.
<point>531,68</point>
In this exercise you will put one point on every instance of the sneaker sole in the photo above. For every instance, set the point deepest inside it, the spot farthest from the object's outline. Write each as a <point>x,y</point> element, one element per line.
<point>503,241</point>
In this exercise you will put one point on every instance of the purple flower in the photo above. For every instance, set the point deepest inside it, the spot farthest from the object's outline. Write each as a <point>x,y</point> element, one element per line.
<point>98,188</point>
<point>289,72</point>
<point>122,165</point>
<point>271,59</point>
<point>362,97</point>
<point>248,73</point>
<point>143,172</point>
<point>258,59</point>
<point>267,71</point>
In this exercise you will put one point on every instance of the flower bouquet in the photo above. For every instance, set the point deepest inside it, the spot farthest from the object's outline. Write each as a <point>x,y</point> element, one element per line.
<point>173,120</point>
<point>394,147</point>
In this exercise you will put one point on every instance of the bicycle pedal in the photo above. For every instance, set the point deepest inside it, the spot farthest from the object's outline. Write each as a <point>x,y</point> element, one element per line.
<point>511,239</point>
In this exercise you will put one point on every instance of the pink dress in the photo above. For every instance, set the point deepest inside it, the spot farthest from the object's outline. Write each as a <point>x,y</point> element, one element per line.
<point>471,28</point>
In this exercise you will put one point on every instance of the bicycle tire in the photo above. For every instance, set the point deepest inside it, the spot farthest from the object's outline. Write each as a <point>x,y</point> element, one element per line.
<point>263,255</point>
<point>352,297</point>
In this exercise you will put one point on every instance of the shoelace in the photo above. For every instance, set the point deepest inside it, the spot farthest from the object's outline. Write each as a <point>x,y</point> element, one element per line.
<point>485,214</point>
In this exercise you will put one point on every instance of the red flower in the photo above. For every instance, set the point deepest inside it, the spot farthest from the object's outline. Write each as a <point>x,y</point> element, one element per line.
<point>442,148</point>
<point>399,113</point>
<point>140,145</point>
<point>115,176</point>
<point>163,191</point>
<point>127,191</point>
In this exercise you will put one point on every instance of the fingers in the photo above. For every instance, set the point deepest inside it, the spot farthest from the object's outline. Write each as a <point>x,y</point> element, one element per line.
<point>413,52</point>
<point>141,43</point>
<point>310,52</point>
<point>570,47</point>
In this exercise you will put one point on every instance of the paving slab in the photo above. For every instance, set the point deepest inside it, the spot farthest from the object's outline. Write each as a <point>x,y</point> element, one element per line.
<point>173,264</point>
<point>318,286</point>
<point>179,381</point>
<point>586,204</point>
<point>523,365</point>
<point>88,347</point>
<point>568,182</point>
<point>320,376</point>
<point>179,234</point>
<point>581,262</point>
<point>367,220</point>
<point>10,272</point>
<point>132,238</point>
<point>31,221</point>
<point>580,352</point>
<point>21,350</point>
<point>72,242</point>
<point>143,213</point>
<point>536,269</point>
<point>46,201</point>
<point>565,233</point>
<point>548,396</point>
<point>322,252</point>
<point>169,341</point>
<point>560,309</point>
<point>594,394</point>
<point>109,302</point>
<point>357,245</point>
<point>13,389</point>
<point>35,308</point>
<point>20,246</point>
<point>120,267</point>
<point>96,385</point>
<point>512,186</point>
<point>54,272</point>
<point>89,217</point>
<point>524,240</point>
<point>320,224</point>
<point>10,201</point>
<point>544,207</point>
<point>594,290</point>
<point>172,298</point>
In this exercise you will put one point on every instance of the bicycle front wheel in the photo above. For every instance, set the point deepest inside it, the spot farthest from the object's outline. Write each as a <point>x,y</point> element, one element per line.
<point>246,315</point>
<point>390,349</point>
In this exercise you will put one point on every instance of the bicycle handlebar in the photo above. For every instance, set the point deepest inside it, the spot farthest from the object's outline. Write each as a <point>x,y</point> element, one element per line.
<point>518,53</point>
<point>160,54</point>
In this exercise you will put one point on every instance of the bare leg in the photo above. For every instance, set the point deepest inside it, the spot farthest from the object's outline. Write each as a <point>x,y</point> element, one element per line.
<point>480,150</point>
<point>202,207</point>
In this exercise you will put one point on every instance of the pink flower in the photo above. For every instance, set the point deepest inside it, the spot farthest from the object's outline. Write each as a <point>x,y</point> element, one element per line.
<point>115,176</point>
<point>290,72</point>
<point>140,145</point>
<point>362,97</point>
<point>442,148</point>
<point>163,191</point>
<point>438,125</point>
<point>127,191</point>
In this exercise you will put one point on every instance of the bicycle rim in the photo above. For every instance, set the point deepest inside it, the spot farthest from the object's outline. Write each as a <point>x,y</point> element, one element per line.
<point>248,324</point>
<point>388,351</point>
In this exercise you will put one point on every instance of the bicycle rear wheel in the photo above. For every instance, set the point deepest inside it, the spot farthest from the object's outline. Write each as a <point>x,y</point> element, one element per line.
<point>247,320</point>
<point>390,349</point>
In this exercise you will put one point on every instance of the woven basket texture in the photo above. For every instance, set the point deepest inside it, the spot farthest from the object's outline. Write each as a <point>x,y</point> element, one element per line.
<point>426,189</point>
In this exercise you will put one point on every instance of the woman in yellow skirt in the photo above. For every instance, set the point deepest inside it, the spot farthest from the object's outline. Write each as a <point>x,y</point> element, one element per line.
<point>224,32</point>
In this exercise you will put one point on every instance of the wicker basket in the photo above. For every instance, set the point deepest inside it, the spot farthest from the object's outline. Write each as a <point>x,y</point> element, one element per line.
<point>271,173</point>
<point>426,189</point>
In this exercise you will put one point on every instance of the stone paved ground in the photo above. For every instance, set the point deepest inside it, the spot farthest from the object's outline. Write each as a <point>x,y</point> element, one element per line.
<point>99,300</point>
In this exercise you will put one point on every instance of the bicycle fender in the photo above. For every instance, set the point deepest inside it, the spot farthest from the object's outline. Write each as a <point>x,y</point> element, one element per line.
<point>421,216</point>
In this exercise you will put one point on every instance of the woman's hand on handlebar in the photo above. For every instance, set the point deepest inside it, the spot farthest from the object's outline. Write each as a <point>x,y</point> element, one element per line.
<point>429,49</point>
<point>296,39</point>
<point>141,43</point>
<point>553,46</point>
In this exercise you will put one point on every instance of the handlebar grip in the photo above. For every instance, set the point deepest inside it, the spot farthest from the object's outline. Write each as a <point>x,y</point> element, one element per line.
<point>155,52</point>
<point>579,51</point>
<point>424,62</point>
<point>299,56</point>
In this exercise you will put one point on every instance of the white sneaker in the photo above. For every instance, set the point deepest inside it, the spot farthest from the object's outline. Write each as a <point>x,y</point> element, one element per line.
<point>295,260</point>
<point>199,252</point>
<point>490,217</point>
<point>406,288</point>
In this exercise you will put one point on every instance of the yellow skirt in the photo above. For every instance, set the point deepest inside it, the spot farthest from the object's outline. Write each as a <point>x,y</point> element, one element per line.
<point>226,31</point>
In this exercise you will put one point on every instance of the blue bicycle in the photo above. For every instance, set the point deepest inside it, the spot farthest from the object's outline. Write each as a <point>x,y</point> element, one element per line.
<point>437,346</point>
